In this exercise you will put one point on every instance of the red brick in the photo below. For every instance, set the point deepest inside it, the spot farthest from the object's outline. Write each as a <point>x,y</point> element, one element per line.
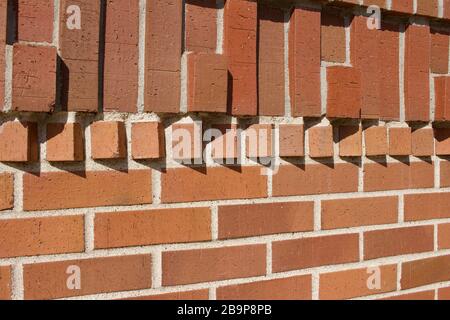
<point>79,52</point>
<point>428,7</point>
<point>379,68</point>
<point>259,141</point>
<point>422,142</point>
<point>41,236</point>
<point>425,271</point>
<point>333,37</point>
<point>348,213</point>
<point>423,295</point>
<point>34,78</point>
<point>380,3</point>
<point>442,98</point>
<point>3,28</point>
<point>86,189</point>
<point>442,138</point>
<point>65,142</point>
<point>444,236</point>
<point>417,72</point>
<point>218,183</point>
<point>403,6</point>
<point>6,191</point>
<point>226,144</point>
<point>400,141</point>
<point>240,19</point>
<point>202,294</point>
<point>271,75</point>
<point>344,92</point>
<point>187,141</point>
<point>304,62</point>
<point>201,25</point>
<point>427,206</point>
<point>443,293</point>
<point>18,142</point>
<point>205,265</point>
<point>445,174</point>
<point>314,252</point>
<point>120,81</point>
<point>439,51</point>
<point>355,283</point>
<point>108,140</point>
<point>398,176</point>
<point>294,180</point>
<point>376,141</point>
<point>147,140</point>
<point>240,221</point>
<point>446,9</point>
<point>207,82</point>
<point>292,140</point>
<point>350,141</point>
<point>35,20</point>
<point>321,142</point>
<point>5,283</point>
<point>140,228</point>
<point>399,241</point>
<point>293,288</point>
<point>48,280</point>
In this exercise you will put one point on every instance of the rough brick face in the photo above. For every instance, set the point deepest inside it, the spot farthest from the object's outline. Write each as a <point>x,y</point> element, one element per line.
<point>422,142</point>
<point>201,26</point>
<point>376,141</point>
<point>5,283</point>
<point>442,140</point>
<point>426,271</point>
<point>35,20</point>
<point>344,92</point>
<point>427,7</point>
<point>6,191</point>
<point>400,141</point>
<point>147,140</point>
<point>292,140</point>
<point>65,142</point>
<point>259,141</point>
<point>442,98</point>
<point>108,140</point>
<point>427,206</point>
<point>333,37</point>
<point>439,51</point>
<point>321,142</point>
<point>18,142</point>
<point>350,141</point>
<point>3,27</point>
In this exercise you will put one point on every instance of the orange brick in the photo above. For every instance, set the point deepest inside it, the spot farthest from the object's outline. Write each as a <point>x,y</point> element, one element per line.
<point>314,252</point>
<point>355,283</point>
<point>35,20</point>
<point>6,191</point>
<point>199,184</point>
<point>376,141</point>
<point>291,180</point>
<point>442,98</point>
<point>423,295</point>
<point>398,176</point>
<point>239,221</point>
<point>444,293</point>
<point>399,241</point>
<point>347,213</point>
<point>5,283</point>
<point>207,265</point>
<point>201,25</point>
<point>185,295</point>
<point>108,140</point>
<point>350,141</point>
<point>65,142</point>
<point>439,51</point>
<point>427,206</point>
<point>333,37</point>
<point>445,174</point>
<point>3,29</point>
<point>41,236</point>
<point>98,275</point>
<point>139,228</point>
<point>422,142</point>
<point>321,142</point>
<point>418,273</point>
<point>293,288</point>
<point>19,142</point>
<point>292,140</point>
<point>187,141</point>
<point>403,6</point>
<point>444,236</point>
<point>226,143</point>
<point>442,138</point>
<point>399,141</point>
<point>147,140</point>
<point>86,189</point>
<point>428,7</point>
<point>259,141</point>
<point>344,92</point>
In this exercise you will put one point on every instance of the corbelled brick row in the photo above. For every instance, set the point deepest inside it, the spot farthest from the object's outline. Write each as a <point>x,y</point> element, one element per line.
<point>224,149</point>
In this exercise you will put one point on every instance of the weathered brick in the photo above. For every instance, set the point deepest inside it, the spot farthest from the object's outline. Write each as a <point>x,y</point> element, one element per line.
<point>321,142</point>
<point>19,142</point>
<point>292,140</point>
<point>442,98</point>
<point>344,92</point>
<point>439,51</point>
<point>147,140</point>
<point>400,141</point>
<point>5,283</point>
<point>333,37</point>
<point>428,7</point>
<point>201,25</point>
<point>35,20</point>
<point>350,141</point>
<point>422,142</point>
<point>376,142</point>
<point>108,140</point>
<point>6,191</point>
<point>65,142</point>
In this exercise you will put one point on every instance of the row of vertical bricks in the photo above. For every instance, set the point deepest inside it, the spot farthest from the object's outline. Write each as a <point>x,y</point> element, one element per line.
<point>248,78</point>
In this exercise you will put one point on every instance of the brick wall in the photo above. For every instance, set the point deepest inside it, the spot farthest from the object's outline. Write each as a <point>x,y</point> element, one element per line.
<point>335,137</point>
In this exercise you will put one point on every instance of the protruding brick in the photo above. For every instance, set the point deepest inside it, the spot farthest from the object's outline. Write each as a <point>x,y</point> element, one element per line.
<point>314,252</point>
<point>187,141</point>
<point>304,62</point>
<point>207,265</point>
<point>292,140</point>
<point>333,37</point>
<point>5,283</point>
<point>400,141</point>
<point>48,280</point>
<point>3,28</point>
<point>321,142</point>
<point>6,191</point>
<point>139,228</point>
<point>443,294</point>
<point>163,56</point>
<point>422,142</point>
<point>226,144</point>
<point>350,141</point>
<point>201,25</point>
<point>439,51</point>
<point>108,140</point>
<point>376,142</point>
<point>344,92</point>
<point>207,82</point>
<point>120,81</point>
<point>259,141</point>
<point>403,6</point>
<point>86,189</point>
<point>35,20</point>
<point>240,19</point>
<point>293,288</point>
<point>271,61</point>
<point>291,180</point>
<point>442,98</point>
<point>442,138</point>
<point>428,7</point>
<point>147,140</point>
<point>240,221</point>
<point>348,213</point>
<point>199,184</point>
<point>19,142</point>
<point>79,52</point>
<point>65,142</point>
<point>417,73</point>
<point>427,206</point>
<point>418,273</point>
<point>34,78</point>
<point>445,174</point>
